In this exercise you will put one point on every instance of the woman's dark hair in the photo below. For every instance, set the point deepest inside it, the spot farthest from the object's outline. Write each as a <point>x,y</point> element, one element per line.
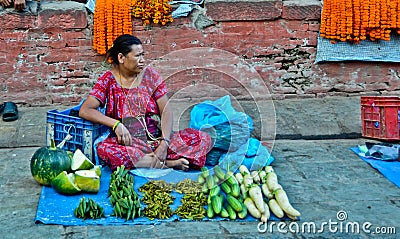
<point>121,44</point>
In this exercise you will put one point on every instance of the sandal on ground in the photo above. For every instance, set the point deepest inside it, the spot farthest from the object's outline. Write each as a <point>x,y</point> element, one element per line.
<point>10,112</point>
<point>1,108</point>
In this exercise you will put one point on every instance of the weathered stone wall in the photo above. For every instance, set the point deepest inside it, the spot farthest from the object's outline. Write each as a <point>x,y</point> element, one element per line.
<point>239,46</point>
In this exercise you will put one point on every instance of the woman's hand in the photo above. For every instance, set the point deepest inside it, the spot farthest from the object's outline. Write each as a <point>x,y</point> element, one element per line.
<point>19,5</point>
<point>123,135</point>
<point>5,3</point>
<point>161,151</point>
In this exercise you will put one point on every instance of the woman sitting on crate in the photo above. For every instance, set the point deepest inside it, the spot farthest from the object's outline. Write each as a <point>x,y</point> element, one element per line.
<point>136,99</point>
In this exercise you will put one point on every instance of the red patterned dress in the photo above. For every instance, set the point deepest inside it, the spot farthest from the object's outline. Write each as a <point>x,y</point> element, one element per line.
<point>122,103</point>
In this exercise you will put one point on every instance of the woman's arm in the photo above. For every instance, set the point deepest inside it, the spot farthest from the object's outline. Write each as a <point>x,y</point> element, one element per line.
<point>89,112</point>
<point>166,127</point>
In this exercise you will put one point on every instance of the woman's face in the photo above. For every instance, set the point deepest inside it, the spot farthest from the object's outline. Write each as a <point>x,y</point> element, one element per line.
<point>134,60</point>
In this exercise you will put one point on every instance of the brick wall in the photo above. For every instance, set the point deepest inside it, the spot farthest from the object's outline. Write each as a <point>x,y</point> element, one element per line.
<point>245,48</point>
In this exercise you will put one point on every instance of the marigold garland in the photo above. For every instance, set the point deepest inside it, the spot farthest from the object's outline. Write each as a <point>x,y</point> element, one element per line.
<point>156,11</point>
<point>114,17</point>
<point>357,20</point>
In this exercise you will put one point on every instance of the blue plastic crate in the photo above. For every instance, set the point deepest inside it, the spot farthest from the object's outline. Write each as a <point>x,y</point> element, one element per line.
<point>83,132</point>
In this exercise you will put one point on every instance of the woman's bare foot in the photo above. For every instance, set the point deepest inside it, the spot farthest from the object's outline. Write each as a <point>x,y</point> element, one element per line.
<point>181,164</point>
<point>149,161</point>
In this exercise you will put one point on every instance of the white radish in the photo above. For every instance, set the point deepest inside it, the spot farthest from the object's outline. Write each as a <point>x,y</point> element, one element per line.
<point>262,175</point>
<point>268,194</point>
<point>266,215</point>
<point>239,177</point>
<point>244,191</point>
<point>291,217</point>
<point>275,208</point>
<point>257,197</point>
<point>244,170</point>
<point>256,178</point>
<point>251,208</point>
<point>247,180</point>
<point>269,169</point>
<point>272,181</point>
<point>283,201</point>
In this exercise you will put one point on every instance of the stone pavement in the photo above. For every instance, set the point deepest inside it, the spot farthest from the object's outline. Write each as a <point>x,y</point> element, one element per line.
<point>312,159</point>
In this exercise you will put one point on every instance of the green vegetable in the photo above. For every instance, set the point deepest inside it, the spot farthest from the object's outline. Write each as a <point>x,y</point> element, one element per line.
<point>243,213</point>
<point>80,161</point>
<point>224,212</point>
<point>234,203</point>
<point>48,162</point>
<point>204,188</point>
<point>201,179</point>
<point>235,190</point>
<point>210,182</point>
<point>231,212</point>
<point>218,171</point>
<point>230,178</point>
<point>210,211</point>
<point>87,181</point>
<point>216,202</point>
<point>123,197</point>
<point>64,183</point>
<point>205,172</point>
<point>215,191</point>
<point>88,209</point>
<point>225,187</point>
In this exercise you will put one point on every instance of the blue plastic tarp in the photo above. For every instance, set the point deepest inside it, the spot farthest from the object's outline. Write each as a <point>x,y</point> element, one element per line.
<point>382,51</point>
<point>54,208</point>
<point>389,169</point>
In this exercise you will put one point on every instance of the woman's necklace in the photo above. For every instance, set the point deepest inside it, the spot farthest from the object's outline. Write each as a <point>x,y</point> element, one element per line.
<point>139,117</point>
<point>127,99</point>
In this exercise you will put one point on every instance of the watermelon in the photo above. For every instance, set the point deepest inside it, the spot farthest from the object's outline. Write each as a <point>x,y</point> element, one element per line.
<point>80,161</point>
<point>87,181</point>
<point>48,162</point>
<point>64,183</point>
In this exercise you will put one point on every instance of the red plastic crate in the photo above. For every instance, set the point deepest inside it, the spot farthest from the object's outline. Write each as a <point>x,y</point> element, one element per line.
<point>380,117</point>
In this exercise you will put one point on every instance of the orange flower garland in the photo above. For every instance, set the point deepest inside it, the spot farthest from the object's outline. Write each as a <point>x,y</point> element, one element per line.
<point>113,18</point>
<point>356,20</point>
<point>156,11</point>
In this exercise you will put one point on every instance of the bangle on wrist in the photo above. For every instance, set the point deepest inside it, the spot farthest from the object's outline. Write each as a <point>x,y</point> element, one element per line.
<point>116,125</point>
<point>167,141</point>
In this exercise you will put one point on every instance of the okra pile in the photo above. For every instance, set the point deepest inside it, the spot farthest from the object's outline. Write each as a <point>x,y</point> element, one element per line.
<point>88,209</point>
<point>122,195</point>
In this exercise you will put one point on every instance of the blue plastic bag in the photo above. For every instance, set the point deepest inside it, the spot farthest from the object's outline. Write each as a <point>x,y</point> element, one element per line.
<point>253,155</point>
<point>228,128</point>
